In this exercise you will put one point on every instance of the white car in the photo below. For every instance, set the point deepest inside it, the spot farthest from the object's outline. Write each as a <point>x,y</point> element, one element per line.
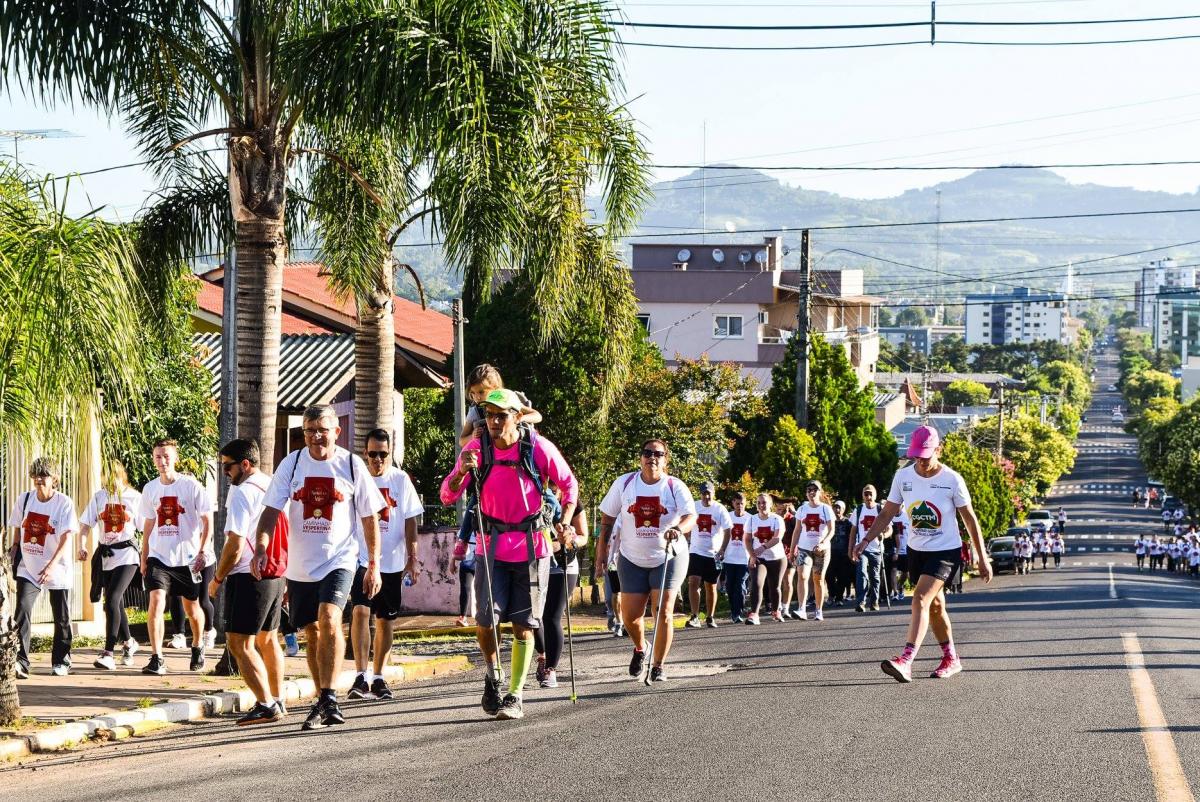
<point>1117,417</point>
<point>1039,521</point>
<point>1112,388</point>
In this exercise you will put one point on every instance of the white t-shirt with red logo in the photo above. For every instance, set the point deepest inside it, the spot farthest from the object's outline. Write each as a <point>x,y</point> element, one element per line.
<point>321,497</point>
<point>176,511</point>
<point>901,528</point>
<point>43,526</point>
<point>739,525</point>
<point>647,511</point>
<point>812,523</point>
<point>931,504</point>
<point>764,530</point>
<point>708,535</point>
<point>243,508</point>
<point>116,519</point>
<point>402,503</point>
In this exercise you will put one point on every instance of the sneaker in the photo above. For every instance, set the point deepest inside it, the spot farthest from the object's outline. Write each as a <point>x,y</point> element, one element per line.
<point>461,621</point>
<point>380,689</point>
<point>947,668</point>
<point>156,665</point>
<point>875,607</point>
<point>510,708</point>
<point>105,661</point>
<point>711,624</point>
<point>693,623</point>
<point>860,608</point>
<point>22,672</point>
<point>178,642</point>
<point>737,619</point>
<point>637,663</point>
<point>752,620</point>
<point>282,708</point>
<point>197,661</point>
<point>359,689</point>
<point>61,670</point>
<point>802,615</point>
<point>315,718</point>
<point>550,680</point>
<point>260,714</point>
<point>491,697</point>
<point>786,613</point>
<point>897,669</point>
<point>540,673</point>
<point>819,616</point>
<point>777,616</point>
<point>210,639</point>
<point>130,648</point>
<point>657,675</point>
<point>332,714</point>
<point>293,645</point>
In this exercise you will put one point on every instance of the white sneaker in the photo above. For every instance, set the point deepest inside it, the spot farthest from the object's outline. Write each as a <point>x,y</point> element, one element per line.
<point>818,616</point>
<point>61,670</point>
<point>802,614</point>
<point>178,642</point>
<point>210,639</point>
<point>131,648</point>
<point>105,661</point>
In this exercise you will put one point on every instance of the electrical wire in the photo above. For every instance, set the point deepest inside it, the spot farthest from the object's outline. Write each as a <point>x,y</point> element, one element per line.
<point>967,42</point>
<point>924,23</point>
<point>919,168</point>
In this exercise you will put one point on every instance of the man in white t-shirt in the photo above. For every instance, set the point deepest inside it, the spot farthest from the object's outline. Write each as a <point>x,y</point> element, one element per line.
<point>177,515</point>
<point>397,559</point>
<point>252,606</point>
<point>935,497</point>
<point>45,545</point>
<point>323,488</point>
<point>867,578</point>
<point>707,538</point>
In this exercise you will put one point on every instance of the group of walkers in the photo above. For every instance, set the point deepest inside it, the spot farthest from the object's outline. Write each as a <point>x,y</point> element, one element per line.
<point>1043,545</point>
<point>1179,554</point>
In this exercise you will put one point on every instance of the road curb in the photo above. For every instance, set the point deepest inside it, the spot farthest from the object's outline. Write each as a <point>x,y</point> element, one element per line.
<point>126,723</point>
<point>433,632</point>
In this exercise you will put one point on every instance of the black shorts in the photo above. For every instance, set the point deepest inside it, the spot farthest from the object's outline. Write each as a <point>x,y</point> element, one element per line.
<point>614,581</point>
<point>176,580</point>
<point>252,606</point>
<point>306,598</point>
<point>386,604</point>
<point>941,565</point>
<point>703,567</point>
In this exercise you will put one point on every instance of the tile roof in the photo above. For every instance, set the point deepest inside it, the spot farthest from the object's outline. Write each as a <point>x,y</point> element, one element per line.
<point>211,299</point>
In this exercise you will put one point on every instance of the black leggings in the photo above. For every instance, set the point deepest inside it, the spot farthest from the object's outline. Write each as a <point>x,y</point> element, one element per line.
<point>771,571</point>
<point>179,622</point>
<point>466,588</point>
<point>116,622</point>
<point>548,638</point>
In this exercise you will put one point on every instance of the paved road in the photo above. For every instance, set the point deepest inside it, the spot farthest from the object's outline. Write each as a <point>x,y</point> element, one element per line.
<point>1045,709</point>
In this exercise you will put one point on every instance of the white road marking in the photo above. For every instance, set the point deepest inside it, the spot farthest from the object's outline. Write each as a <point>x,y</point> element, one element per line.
<point>1112,582</point>
<point>1170,783</point>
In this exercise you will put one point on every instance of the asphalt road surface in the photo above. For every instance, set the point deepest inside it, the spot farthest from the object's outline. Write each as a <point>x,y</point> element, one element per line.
<point>1080,683</point>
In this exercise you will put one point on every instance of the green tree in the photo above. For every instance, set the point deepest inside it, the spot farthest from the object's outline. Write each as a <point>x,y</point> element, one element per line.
<point>1140,388</point>
<point>965,393</point>
<point>429,441</point>
<point>1153,428</point>
<point>1068,380</point>
<point>1181,454</point>
<point>788,460</point>
<point>1040,453</point>
<point>991,488</point>
<point>912,316</point>
<point>950,354</point>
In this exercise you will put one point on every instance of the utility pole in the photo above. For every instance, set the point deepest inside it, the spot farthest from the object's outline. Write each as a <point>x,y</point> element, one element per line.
<point>1000,429</point>
<point>460,382</point>
<point>802,329</point>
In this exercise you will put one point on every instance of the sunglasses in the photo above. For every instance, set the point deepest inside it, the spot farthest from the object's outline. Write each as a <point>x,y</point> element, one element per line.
<point>499,417</point>
<point>225,466</point>
<point>379,454</point>
<point>650,453</point>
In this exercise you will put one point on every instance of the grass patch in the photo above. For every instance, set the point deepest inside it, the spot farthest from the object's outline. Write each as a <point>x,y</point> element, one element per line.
<point>146,702</point>
<point>136,615</point>
<point>44,643</point>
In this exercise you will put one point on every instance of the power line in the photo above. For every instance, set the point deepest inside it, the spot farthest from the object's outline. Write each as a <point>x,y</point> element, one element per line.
<point>814,168</point>
<point>962,42</point>
<point>691,26</point>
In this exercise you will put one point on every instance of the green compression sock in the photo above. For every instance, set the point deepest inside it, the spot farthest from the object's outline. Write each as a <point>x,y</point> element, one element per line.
<point>522,656</point>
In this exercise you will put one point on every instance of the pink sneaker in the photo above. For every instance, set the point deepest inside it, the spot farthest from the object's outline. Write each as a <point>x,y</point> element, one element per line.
<point>776,616</point>
<point>947,668</point>
<point>897,669</point>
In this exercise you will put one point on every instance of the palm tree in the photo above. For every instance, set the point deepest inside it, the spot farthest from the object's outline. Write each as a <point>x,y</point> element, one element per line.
<point>507,107</point>
<point>70,329</point>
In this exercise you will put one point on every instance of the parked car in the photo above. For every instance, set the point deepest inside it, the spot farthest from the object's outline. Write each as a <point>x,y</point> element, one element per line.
<point>1000,550</point>
<point>1118,416</point>
<point>1039,521</point>
<point>1172,503</point>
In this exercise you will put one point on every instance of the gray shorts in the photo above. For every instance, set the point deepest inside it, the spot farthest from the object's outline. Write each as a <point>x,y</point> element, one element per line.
<point>640,581</point>
<point>514,599</point>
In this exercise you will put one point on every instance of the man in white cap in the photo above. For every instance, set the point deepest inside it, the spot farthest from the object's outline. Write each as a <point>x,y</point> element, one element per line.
<point>934,496</point>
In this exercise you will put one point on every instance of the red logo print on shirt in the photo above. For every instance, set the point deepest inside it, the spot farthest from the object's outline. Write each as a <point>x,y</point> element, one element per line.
<point>812,522</point>
<point>739,532</point>
<point>647,511</point>
<point>867,522</point>
<point>169,511</point>
<point>114,518</point>
<point>386,513</point>
<point>35,531</point>
<point>704,522</point>
<point>318,495</point>
<point>764,533</point>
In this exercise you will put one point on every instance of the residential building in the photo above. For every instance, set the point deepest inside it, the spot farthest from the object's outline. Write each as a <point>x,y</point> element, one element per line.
<point>936,382</point>
<point>920,338</point>
<point>1159,277</point>
<point>735,302</point>
<point>889,409</point>
<point>1021,316</point>
<point>1176,322</point>
<point>1190,378</point>
<point>945,424</point>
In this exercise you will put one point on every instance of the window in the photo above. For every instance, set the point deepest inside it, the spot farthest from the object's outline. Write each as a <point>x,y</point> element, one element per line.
<point>645,321</point>
<point>727,326</point>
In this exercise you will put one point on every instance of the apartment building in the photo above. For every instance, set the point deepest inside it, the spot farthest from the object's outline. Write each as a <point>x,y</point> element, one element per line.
<point>1021,316</point>
<point>1158,278</point>
<point>1176,322</point>
<point>920,338</point>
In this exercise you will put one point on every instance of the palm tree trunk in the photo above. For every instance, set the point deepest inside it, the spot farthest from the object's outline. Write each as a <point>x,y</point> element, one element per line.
<point>375,360</point>
<point>10,703</point>
<point>261,254</point>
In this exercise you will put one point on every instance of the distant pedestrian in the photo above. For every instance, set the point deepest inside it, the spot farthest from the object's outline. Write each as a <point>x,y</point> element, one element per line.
<point>1062,521</point>
<point>841,567</point>
<point>1137,496</point>
<point>787,583</point>
<point>736,558</point>
<point>815,519</point>
<point>705,540</point>
<point>1140,547</point>
<point>767,558</point>
<point>1057,547</point>
<point>869,559</point>
<point>1166,520</point>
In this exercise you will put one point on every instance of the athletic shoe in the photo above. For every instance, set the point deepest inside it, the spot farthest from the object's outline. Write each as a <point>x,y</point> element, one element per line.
<point>510,708</point>
<point>491,697</point>
<point>711,624</point>
<point>178,642</point>
<point>197,661</point>
<point>637,663</point>
<point>461,621</point>
<point>155,666</point>
<point>620,632</point>
<point>657,674</point>
<point>550,680</point>
<point>315,719</point>
<point>786,613</point>
<point>737,619</point>
<point>359,689</point>
<point>860,608</point>
<point>332,714</point>
<point>693,623</point>
<point>540,673</point>
<point>22,672</point>
<point>210,639</point>
<point>260,714</point>
<point>802,615</point>
<point>819,616</point>
<point>281,707</point>
<point>777,616</point>
<point>293,645</point>
<point>105,661</point>
<point>897,669</point>
<point>947,668</point>
<point>752,620</point>
<point>128,651</point>
<point>875,607</point>
<point>61,670</point>
<point>380,689</point>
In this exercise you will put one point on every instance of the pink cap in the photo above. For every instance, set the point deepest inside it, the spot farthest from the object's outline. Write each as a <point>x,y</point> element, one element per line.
<point>923,443</point>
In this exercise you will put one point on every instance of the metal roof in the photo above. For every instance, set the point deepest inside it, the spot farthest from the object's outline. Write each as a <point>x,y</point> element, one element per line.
<point>883,399</point>
<point>313,368</point>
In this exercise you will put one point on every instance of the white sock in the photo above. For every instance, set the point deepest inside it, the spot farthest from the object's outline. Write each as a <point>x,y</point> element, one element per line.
<point>270,700</point>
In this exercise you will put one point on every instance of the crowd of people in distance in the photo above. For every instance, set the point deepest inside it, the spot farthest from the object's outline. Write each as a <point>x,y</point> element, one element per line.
<point>1043,545</point>
<point>1179,553</point>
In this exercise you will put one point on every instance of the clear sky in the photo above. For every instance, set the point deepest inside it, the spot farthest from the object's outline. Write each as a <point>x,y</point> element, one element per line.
<point>947,104</point>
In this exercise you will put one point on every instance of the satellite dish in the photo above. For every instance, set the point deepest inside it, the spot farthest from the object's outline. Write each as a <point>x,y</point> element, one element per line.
<point>718,255</point>
<point>683,255</point>
<point>744,257</point>
<point>761,257</point>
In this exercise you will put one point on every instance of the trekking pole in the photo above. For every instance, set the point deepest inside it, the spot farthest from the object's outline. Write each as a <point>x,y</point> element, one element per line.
<point>662,592</point>
<point>497,672</point>
<point>570,647</point>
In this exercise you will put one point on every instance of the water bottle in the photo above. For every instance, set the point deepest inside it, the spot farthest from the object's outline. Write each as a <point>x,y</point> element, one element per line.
<point>197,577</point>
<point>407,579</point>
